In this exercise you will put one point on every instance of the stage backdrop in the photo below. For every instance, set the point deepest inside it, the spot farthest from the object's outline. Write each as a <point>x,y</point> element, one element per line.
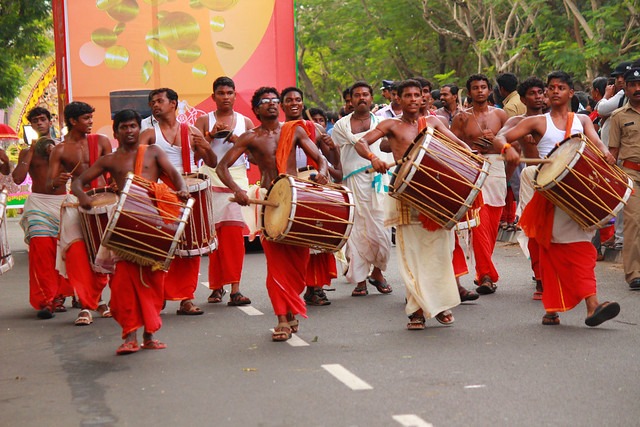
<point>132,46</point>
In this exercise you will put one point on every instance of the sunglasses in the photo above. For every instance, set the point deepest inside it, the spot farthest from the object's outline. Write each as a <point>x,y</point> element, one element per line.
<point>269,101</point>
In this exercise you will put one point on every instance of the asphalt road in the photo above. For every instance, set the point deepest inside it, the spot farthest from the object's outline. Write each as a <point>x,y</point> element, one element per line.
<point>353,363</point>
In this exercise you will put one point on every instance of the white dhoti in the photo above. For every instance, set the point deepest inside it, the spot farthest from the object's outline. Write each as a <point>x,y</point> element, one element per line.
<point>369,243</point>
<point>425,260</point>
<point>226,212</point>
<point>70,231</point>
<point>41,217</point>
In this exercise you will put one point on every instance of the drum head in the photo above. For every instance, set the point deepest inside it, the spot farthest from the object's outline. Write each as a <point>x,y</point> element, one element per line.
<point>196,181</point>
<point>412,154</point>
<point>100,197</point>
<point>564,155</point>
<point>276,220</point>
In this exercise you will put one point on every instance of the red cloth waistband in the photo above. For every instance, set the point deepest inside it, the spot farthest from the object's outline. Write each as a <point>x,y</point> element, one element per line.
<point>631,165</point>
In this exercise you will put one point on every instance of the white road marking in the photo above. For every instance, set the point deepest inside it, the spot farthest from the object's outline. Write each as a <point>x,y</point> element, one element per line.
<point>205,284</point>
<point>346,377</point>
<point>295,341</point>
<point>475,386</point>
<point>411,420</point>
<point>251,311</point>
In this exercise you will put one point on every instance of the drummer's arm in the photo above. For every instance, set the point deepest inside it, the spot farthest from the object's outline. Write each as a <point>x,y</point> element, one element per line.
<point>79,182</point>
<point>312,151</point>
<point>362,146</point>
<point>5,167</point>
<point>590,132</point>
<point>241,145</point>
<point>202,148</point>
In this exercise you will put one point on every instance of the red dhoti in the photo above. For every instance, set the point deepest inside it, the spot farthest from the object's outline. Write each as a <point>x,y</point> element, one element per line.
<point>88,284</point>
<point>182,279</point>
<point>44,280</point>
<point>460,267</point>
<point>509,212</point>
<point>225,263</point>
<point>484,241</point>
<point>568,274</point>
<point>286,274</point>
<point>321,269</point>
<point>137,297</point>
<point>534,254</point>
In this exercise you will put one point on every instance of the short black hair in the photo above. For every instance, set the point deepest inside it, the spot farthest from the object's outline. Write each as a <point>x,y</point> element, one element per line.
<point>360,83</point>
<point>346,92</point>
<point>255,99</point>
<point>477,77</point>
<point>38,111</point>
<point>406,84</point>
<point>223,81</point>
<point>316,111</point>
<point>291,89</point>
<point>562,76</point>
<point>424,82</point>
<point>452,87</point>
<point>507,81</point>
<point>75,109</point>
<point>124,116</point>
<point>172,95</point>
<point>529,83</point>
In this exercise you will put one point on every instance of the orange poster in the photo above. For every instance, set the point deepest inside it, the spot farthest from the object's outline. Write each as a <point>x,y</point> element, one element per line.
<point>132,46</point>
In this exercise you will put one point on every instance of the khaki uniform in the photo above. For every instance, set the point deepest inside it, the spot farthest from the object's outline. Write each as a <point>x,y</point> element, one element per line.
<point>624,133</point>
<point>513,106</point>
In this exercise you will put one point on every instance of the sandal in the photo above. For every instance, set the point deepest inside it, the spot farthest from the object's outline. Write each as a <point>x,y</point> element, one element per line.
<point>128,348</point>
<point>551,319</point>
<point>382,287</point>
<point>153,345</point>
<point>316,296</point>
<point>238,299</point>
<point>467,295</point>
<point>486,287</point>
<point>58,304</point>
<point>360,292</point>
<point>416,322</point>
<point>442,318</point>
<point>293,323</point>
<point>46,312</point>
<point>104,310</point>
<point>216,296</point>
<point>84,318</point>
<point>188,308</point>
<point>281,333</point>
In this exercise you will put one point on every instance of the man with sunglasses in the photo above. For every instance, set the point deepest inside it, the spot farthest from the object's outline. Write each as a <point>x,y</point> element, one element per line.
<point>272,146</point>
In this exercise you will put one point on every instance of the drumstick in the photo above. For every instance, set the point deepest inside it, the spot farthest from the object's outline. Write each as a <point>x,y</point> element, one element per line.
<point>259,202</point>
<point>75,167</point>
<point>532,161</point>
<point>389,165</point>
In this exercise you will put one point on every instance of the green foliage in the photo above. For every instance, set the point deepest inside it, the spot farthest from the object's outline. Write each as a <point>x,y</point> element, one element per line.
<point>343,41</point>
<point>25,34</point>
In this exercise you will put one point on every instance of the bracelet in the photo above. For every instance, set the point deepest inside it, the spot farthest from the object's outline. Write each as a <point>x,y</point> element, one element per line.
<point>371,156</point>
<point>505,147</point>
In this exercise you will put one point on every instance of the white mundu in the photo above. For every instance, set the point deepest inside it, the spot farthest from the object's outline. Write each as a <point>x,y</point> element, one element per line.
<point>369,243</point>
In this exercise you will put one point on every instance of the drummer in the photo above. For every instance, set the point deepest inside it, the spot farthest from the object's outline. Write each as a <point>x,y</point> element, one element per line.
<point>137,294</point>
<point>477,126</point>
<point>184,145</point>
<point>425,255</point>
<point>41,219</point>
<point>79,150</point>
<point>225,263</point>
<point>322,265</point>
<point>273,147</point>
<point>567,257</point>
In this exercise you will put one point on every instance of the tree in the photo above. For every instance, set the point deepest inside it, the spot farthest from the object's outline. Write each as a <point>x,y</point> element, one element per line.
<point>25,35</point>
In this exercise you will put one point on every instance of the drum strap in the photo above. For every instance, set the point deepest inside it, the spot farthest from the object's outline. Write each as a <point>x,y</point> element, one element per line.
<point>567,132</point>
<point>422,123</point>
<point>186,147</point>
<point>92,142</point>
<point>137,168</point>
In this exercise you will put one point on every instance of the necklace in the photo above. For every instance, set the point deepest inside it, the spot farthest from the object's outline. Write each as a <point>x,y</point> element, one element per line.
<point>411,122</point>
<point>362,120</point>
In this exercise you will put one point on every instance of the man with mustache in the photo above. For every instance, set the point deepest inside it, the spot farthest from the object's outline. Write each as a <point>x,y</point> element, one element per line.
<point>79,150</point>
<point>369,244</point>
<point>184,145</point>
<point>624,143</point>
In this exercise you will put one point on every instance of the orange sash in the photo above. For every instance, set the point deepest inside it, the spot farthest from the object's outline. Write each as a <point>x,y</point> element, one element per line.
<point>167,201</point>
<point>285,143</point>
